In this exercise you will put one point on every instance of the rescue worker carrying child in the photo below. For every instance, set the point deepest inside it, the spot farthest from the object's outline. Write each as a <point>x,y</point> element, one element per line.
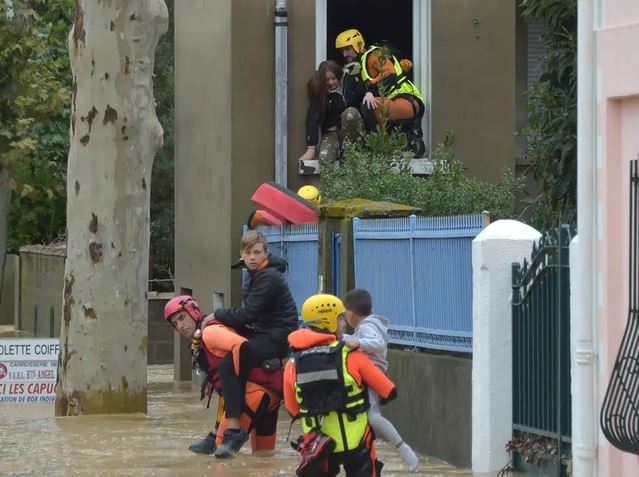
<point>325,386</point>
<point>263,391</point>
<point>390,94</point>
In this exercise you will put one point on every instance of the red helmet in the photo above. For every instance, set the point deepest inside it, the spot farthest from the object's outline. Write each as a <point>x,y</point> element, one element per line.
<point>186,303</point>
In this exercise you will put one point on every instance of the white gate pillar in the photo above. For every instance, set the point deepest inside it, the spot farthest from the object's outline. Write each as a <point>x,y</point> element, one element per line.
<point>494,250</point>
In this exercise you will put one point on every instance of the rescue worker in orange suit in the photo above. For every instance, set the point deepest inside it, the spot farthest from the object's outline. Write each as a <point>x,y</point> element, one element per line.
<point>263,392</point>
<point>325,385</point>
<point>390,95</point>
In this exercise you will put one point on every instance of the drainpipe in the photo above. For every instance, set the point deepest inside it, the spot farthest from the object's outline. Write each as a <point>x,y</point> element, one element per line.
<point>281,76</point>
<point>585,410</point>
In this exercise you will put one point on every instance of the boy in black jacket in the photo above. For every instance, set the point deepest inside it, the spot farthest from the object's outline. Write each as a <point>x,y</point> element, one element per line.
<point>267,315</point>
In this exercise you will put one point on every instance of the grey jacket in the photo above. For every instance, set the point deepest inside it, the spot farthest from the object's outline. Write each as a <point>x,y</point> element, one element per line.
<point>372,333</point>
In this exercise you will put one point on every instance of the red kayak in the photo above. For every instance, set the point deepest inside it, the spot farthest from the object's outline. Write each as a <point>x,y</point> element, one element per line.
<point>284,204</point>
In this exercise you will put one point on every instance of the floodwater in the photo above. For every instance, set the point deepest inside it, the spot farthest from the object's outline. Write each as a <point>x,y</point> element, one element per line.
<point>33,442</point>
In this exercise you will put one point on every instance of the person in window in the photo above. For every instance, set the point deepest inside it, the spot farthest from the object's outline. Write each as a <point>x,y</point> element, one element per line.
<point>332,114</point>
<point>391,98</point>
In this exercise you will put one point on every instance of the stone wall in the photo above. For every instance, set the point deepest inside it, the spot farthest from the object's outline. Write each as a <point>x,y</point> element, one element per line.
<point>160,349</point>
<point>41,282</point>
<point>10,286</point>
<point>40,303</point>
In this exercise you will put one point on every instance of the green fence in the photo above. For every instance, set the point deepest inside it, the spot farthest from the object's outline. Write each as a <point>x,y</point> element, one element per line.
<point>541,339</point>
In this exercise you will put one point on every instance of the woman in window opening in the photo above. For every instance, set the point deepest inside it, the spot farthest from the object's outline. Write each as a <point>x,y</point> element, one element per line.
<point>333,111</point>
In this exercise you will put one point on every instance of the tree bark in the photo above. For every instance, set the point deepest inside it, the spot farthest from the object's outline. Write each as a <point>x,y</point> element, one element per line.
<point>5,204</point>
<point>114,137</point>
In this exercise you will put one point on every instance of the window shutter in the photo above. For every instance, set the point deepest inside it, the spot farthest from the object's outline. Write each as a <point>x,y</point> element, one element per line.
<point>536,50</point>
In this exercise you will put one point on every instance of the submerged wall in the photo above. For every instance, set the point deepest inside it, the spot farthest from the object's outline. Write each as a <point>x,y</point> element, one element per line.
<point>433,409</point>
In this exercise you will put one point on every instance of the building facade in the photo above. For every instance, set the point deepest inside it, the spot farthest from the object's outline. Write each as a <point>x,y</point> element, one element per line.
<point>616,144</point>
<point>470,62</point>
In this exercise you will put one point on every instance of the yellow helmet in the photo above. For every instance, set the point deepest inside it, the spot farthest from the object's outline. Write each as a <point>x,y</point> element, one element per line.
<point>310,193</point>
<point>321,311</point>
<point>352,38</point>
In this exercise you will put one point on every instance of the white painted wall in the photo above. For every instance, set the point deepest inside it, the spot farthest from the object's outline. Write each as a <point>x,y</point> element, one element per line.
<point>494,250</point>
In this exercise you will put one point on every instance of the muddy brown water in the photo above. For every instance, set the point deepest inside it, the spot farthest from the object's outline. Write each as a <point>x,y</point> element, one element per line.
<point>35,443</point>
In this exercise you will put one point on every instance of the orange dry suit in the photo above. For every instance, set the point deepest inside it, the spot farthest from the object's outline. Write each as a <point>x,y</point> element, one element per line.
<point>398,99</point>
<point>263,392</point>
<point>401,99</point>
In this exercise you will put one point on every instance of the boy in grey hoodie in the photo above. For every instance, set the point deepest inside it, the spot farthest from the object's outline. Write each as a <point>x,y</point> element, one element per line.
<point>371,337</point>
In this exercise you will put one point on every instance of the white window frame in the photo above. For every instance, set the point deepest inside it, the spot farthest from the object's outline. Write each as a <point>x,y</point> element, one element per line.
<point>421,53</point>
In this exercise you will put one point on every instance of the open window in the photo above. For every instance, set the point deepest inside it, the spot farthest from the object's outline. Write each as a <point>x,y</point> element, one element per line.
<point>403,23</point>
<point>377,20</point>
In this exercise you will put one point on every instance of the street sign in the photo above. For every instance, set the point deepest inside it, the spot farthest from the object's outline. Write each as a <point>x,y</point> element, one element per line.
<point>28,370</point>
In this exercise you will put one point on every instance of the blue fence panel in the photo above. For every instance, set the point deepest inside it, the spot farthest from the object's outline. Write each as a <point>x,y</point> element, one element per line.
<point>419,271</point>
<point>299,246</point>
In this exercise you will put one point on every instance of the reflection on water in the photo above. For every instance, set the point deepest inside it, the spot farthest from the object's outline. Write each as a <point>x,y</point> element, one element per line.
<point>33,442</point>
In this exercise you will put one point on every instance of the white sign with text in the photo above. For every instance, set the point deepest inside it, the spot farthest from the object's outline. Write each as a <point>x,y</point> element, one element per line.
<point>28,370</point>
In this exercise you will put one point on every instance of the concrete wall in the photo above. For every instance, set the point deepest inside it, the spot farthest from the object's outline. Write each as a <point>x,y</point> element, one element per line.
<point>10,291</point>
<point>224,96</point>
<point>433,409</point>
<point>301,50</point>
<point>474,81</point>
<point>160,348</point>
<point>203,146</point>
<point>41,279</point>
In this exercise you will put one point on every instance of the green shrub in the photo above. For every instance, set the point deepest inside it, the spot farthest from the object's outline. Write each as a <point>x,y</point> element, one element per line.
<point>551,134</point>
<point>378,168</point>
<point>35,93</point>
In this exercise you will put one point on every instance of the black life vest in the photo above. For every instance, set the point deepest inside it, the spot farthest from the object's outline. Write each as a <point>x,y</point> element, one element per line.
<point>321,383</point>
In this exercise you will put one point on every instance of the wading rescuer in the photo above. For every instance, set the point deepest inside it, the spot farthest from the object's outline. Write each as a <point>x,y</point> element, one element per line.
<point>325,386</point>
<point>267,315</point>
<point>263,392</point>
<point>390,95</point>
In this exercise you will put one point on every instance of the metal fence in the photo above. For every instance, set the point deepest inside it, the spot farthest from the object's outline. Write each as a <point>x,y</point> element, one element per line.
<point>299,246</point>
<point>541,338</point>
<point>419,272</point>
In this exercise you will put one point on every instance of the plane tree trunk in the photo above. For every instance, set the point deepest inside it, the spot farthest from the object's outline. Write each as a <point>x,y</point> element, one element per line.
<point>114,136</point>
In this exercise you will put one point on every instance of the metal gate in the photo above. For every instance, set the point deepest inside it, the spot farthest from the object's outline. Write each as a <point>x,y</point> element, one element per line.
<point>541,339</point>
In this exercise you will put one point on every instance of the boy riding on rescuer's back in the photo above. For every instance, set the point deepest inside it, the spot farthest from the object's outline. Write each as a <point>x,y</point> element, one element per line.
<point>325,386</point>
<point>267,315</point>
<point>209,346</point>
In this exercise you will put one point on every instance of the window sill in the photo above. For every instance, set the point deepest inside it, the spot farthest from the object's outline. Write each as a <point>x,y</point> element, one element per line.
<point>420,167</point>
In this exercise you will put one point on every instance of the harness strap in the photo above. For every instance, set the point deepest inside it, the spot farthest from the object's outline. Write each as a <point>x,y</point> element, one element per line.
<point>263,406</point>
<point>401,79</point>
<point>290,428</point>
<point>342,429</point>
<point>212,378</point>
